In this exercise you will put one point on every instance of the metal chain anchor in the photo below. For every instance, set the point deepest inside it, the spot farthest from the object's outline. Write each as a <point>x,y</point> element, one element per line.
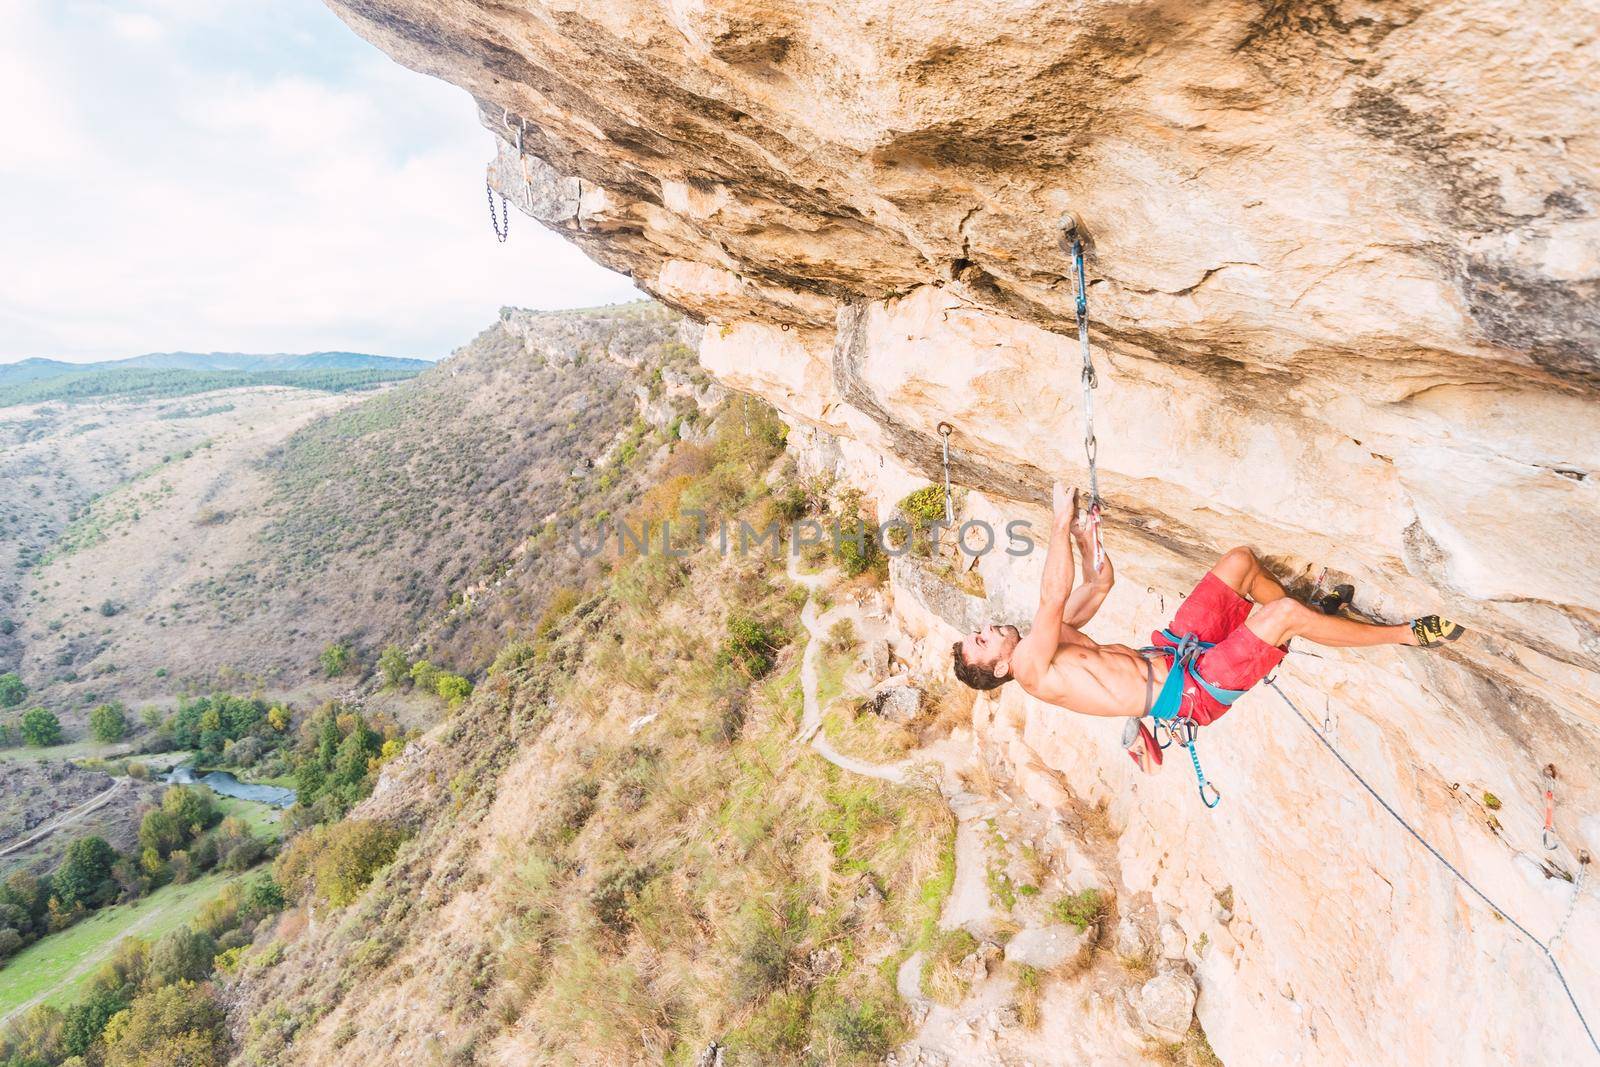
<point>1072,244</point>
<point>502,225</point>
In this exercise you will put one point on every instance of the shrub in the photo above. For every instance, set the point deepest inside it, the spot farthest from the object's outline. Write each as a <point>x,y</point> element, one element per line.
<point>338,658</point>
<point>425,676</point>
<point>842,636</point>
<point>562,601</point>
<point>453,688</point>
<point>856,555</point>
<point>791,505</point>
<point>394,665</point>
<point>108,723</point>
<point>332,864</point>
<point>750,646</point>
<point>108,608</point>
<point>12,691</point>
<point>40,727</point>
<point>183,955</point>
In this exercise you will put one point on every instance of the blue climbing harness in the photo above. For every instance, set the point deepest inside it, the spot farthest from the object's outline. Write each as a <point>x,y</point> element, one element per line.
<point>1166,709</point>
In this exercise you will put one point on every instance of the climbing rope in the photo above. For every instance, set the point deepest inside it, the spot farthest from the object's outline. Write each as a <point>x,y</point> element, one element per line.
<point>1072,243</point>
<point>1544,947</point>
<point>502,225</point>
<point>945,430</point>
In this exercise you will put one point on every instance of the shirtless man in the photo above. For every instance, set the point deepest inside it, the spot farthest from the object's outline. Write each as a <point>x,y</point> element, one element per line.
<point>1058,664</point>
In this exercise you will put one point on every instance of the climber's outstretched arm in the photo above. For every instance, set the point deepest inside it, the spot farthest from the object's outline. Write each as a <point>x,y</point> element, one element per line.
<point>1050,626</point>
<point>1087,598</point>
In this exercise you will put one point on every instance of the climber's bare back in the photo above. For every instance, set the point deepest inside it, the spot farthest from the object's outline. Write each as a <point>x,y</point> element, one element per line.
<point>1090,678</point>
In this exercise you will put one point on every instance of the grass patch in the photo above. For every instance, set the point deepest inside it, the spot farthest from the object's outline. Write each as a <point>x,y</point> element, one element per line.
<point>59,965</point>
<point>263,820</point>
<point>1082,910</point>
<point>941,977</point>
<point>859,733</point>
<point>1029,992</point>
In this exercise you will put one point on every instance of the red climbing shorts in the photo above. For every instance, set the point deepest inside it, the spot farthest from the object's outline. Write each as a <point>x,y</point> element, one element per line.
<point>1240,659</point>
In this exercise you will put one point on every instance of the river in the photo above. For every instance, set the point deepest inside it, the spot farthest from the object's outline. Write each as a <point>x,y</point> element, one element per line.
<point>227,785</point>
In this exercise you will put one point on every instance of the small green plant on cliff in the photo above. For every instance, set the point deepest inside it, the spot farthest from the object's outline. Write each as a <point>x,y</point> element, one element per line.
<point>1082,909</point>
<point>750,646</point>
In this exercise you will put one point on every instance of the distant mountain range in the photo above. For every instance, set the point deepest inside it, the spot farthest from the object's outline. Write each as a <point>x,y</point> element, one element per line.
<point>36,369</point>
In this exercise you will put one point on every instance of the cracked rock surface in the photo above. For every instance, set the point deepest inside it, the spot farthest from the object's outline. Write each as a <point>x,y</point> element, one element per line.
<point>1344,265</point>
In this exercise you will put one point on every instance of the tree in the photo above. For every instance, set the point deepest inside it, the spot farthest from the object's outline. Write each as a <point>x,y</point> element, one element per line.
<point>12,691</point>
<point>86,1020</point>
<point>184,955</point>
<point>179,1025</point>
<point>394,665</point>
<point>338,658</point>
<point>160,833</point>
<point>34,1038</point>
<point>108,723</point>
<point>84,877</point>
<point>40,727</point>
<point>264,895</point>
<point>192,805</point>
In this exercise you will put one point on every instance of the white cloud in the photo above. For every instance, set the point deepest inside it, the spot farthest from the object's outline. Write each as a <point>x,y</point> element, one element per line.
<point>252,180</point>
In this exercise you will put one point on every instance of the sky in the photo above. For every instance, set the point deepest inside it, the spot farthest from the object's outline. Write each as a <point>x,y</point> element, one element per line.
<point>247,176</point>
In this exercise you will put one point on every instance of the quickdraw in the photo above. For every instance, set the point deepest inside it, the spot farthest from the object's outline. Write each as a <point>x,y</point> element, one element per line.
<point>945,430</point>
<point>1184,733</point>
<point>1072,244</point>
<point>1167,711</point>
<point>1551,842</point>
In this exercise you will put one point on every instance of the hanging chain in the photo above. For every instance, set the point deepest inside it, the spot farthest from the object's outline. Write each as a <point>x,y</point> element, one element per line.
<point>1072,242</point>
<point>502,225</point>
<point>945,430</point>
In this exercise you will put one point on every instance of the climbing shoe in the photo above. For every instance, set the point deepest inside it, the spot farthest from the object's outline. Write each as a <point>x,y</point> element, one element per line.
<point>1435,630</point>
<point>1330,603</point>
<point>1141,747</point>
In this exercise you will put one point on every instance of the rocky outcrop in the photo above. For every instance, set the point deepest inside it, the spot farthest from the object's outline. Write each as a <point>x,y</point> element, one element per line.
<point>1344,265</point>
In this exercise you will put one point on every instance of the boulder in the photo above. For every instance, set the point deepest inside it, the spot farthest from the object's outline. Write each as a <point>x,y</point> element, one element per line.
<point>1045,948</point>
<point>1174,945</point>
<point>897,703</point>
<point>1166,1005</point>
<point>1131,942</point>
<point>875,658</point>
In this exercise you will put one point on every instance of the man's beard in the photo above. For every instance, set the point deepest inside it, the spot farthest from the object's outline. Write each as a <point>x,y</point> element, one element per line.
<point>1009,630</point>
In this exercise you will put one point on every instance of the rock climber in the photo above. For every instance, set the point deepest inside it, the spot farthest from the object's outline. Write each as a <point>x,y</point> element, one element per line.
<point>1239,613</point>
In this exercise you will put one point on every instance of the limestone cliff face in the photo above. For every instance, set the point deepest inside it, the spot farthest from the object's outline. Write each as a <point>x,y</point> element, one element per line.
<point>1345,290</point>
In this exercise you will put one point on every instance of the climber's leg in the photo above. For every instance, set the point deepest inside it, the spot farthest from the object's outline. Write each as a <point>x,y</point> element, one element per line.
<point>1241,571</point>
<point>1276,621</point>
